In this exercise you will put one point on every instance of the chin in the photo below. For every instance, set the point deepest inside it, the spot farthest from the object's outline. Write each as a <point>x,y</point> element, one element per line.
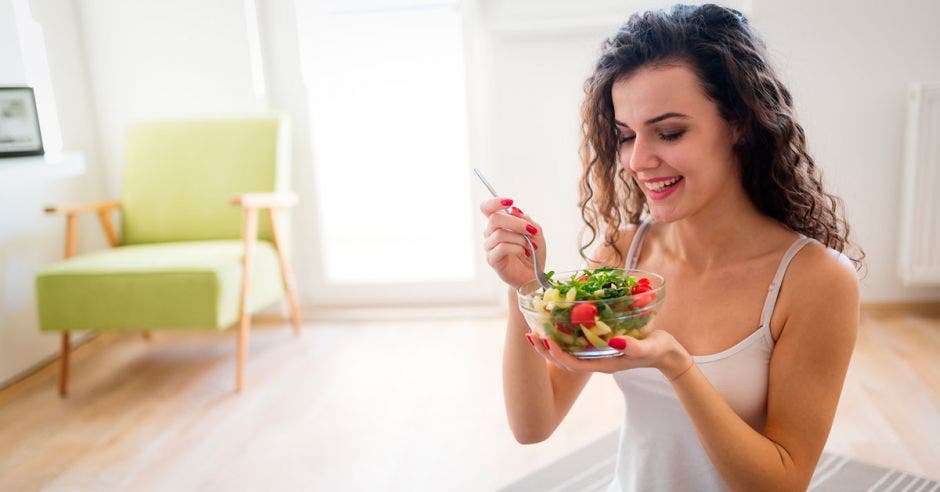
<point>662,215</point>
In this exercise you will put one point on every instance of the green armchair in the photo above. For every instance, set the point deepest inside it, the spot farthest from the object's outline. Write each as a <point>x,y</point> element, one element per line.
<point>193,252</point>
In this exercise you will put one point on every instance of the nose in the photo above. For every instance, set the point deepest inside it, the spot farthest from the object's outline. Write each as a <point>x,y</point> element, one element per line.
<point>640,156</point>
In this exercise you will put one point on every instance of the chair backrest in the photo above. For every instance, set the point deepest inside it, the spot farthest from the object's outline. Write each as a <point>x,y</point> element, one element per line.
<point>180,175</point>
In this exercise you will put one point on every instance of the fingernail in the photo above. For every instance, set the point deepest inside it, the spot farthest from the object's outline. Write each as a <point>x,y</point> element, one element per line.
<point>526,252</point>
<point>535,245</point>
<point>617,343</point>
<point>506,202</point>
<point>528,336</point>
<point>531,229</point>
<point>516,211</point>
<point>545,343</point>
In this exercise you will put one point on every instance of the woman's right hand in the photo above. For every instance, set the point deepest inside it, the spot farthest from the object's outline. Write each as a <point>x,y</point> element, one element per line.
<point>506,250</point>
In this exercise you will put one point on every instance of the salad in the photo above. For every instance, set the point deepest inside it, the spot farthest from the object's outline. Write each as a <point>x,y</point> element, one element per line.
<point>589,308</point>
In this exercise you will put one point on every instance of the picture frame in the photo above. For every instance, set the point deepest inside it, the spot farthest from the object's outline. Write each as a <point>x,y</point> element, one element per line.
<point>20,134</point>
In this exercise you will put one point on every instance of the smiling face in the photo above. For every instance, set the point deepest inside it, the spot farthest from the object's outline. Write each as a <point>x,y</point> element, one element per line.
<point>674,142</point>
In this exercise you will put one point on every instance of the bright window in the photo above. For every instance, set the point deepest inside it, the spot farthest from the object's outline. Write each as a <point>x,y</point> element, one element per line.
<point>388,110</point>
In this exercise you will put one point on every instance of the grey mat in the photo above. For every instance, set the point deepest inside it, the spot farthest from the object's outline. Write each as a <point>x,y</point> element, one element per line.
<point>591,469</point>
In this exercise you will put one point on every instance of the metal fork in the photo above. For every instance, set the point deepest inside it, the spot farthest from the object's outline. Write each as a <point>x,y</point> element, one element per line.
<point>539,274</point>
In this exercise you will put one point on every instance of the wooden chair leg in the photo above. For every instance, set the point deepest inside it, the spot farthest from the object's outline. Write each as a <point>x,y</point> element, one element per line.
<point>249,234</point>
<point>243,326</point>
<point>294,311</point>
<point>71,233</point>
<point>287,275</point>
<point>64,365</point>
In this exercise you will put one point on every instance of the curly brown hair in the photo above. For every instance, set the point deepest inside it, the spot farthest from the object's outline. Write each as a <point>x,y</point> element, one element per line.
<point>730,60</point>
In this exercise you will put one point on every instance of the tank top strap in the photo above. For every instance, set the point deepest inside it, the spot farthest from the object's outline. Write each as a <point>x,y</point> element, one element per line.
<point>633,254</point>
<point>774,290</point>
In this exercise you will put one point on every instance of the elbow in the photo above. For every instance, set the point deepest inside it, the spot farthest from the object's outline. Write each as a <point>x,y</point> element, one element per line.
<point>529,438</point>
<point>529,435</point>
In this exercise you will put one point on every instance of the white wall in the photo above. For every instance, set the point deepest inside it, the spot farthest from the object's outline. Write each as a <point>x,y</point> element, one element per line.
<point>12,70</point>
<point>848,65</point>
<point>30,239</point>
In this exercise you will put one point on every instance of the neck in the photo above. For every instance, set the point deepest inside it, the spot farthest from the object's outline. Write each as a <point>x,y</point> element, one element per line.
<point>729,228</point>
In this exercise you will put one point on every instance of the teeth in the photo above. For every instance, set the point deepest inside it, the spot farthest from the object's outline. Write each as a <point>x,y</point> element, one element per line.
<point>660,185</point>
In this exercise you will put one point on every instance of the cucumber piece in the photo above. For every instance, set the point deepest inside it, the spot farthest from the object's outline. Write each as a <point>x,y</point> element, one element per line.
<point>572,294</point>
<point>551,295</point>
<point>592,337</point>
<point>601,328</point>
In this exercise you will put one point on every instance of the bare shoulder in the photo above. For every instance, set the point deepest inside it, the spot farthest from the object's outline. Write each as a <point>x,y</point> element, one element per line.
<point>606,255</point>
<point>822,291</point>
<point>829,276</point>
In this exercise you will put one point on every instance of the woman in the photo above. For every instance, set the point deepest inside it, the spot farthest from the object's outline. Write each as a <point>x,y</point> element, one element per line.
<point>737,387</point>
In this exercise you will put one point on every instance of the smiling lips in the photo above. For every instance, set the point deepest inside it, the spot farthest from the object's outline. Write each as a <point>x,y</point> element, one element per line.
<point>659,184</point>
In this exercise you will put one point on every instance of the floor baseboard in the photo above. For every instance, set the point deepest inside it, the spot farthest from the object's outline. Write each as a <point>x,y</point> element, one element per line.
<point>926,308</point>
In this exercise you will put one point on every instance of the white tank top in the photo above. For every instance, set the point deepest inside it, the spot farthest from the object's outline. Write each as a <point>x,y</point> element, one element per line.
<point>659,449</point>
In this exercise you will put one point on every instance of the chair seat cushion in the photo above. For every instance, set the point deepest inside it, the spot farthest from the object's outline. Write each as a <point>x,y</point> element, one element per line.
<point>182,285</point>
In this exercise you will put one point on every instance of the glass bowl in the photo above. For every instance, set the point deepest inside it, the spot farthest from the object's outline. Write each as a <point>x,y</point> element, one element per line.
<point>626,315</point>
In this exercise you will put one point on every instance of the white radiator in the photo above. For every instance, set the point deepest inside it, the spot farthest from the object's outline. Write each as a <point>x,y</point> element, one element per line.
<point>920,214</point>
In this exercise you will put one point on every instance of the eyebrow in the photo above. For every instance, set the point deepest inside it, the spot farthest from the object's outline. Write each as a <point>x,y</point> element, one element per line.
<point>657,119</point>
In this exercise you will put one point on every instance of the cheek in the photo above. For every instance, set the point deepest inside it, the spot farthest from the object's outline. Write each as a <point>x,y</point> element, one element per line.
<point>709,159</point>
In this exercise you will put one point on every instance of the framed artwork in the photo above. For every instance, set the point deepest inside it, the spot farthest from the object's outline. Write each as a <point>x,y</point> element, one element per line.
<point>19,123</point>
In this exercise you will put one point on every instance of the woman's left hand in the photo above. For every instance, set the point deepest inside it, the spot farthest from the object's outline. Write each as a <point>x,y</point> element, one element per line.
<point>659,349</point>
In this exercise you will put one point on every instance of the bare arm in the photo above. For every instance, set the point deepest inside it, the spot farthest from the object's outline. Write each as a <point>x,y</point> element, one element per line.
<point>538,394</point>
<point>807,371</point>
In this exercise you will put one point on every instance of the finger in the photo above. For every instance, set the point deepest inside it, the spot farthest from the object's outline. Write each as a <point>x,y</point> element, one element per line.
<point>618,343</point>
<point>554,354</point>
<point>502,250</point>
<point>493,205</point>
<point>510,223</point>
<point>529,336</point>
<point>638,349</point>
<point>516,212</point>
<point>504,236</point>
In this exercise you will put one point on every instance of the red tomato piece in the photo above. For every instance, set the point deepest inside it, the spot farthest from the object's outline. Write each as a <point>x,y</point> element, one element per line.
<point>583,314</point>
<point>643,295</point>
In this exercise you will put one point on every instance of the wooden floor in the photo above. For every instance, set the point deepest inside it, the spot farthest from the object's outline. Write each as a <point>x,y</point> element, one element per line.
<point>393,405</point>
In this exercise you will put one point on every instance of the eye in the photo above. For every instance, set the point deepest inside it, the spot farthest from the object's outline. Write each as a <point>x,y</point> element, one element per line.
<point>669,137</point>
<point>622,139</point>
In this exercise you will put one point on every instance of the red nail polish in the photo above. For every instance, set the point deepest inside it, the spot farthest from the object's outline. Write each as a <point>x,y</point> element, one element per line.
<point>528,336</point>
<point>545,343</point>
<point>516,211</point>
<point>535,245</point>
<point>526,252</point>
<point>506,202</point>
<point>617,343</point>
<point>531,229</point>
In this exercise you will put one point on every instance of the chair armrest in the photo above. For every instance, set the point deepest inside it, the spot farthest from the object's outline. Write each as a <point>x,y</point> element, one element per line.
<point>77,208</point>
<point>282,199</point>
<point>71,212</point>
